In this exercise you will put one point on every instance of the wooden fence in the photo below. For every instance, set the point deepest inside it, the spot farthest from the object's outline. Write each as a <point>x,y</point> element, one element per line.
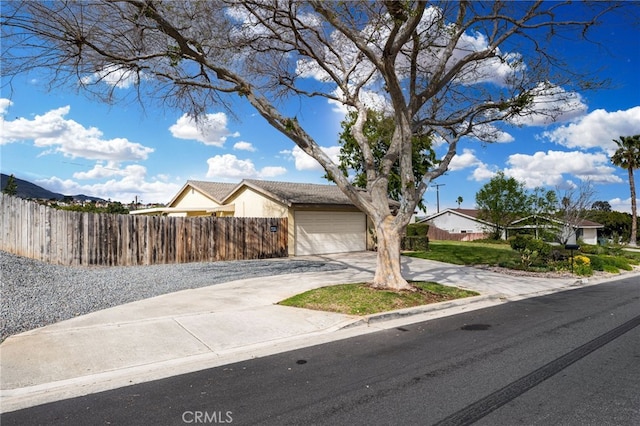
<point>436,234</point>
<point>73,238</point>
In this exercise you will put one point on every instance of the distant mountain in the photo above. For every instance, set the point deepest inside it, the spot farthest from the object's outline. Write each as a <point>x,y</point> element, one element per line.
<point>29,190</point>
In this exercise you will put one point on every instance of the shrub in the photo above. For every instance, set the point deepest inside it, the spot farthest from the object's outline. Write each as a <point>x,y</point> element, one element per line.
<point>415,243</point>
<point>597,264</point>
<point>558,255</point>
<point>530,249</point>
<point>511,264</point>
<point>591,249</point>
<point>615,250</point>
<point>611,269</point>
<point>611,264</point>
<point>489,241</point>
<point>416,237</point>
<point>417,230</point>
<point>618,262</point>
<point>582,265</point>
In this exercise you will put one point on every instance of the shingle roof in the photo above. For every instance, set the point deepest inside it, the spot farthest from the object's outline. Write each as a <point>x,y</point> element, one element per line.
<point>468,212</point>
<point>288,193</point>
<point>301,193</point>
<point>590,224</point>
<point>216,190</point>
<point>472,213</point>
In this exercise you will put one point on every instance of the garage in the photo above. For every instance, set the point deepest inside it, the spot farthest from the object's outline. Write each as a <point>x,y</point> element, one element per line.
<point>321,232</point>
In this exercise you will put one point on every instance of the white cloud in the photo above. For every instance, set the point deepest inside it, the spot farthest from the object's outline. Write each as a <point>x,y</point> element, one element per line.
<point>551,104</point>
<point>111,169</point>
<point>303,161</point>
<point>549,168</point>
<point>114,75</point>
<point>229,166</point>
<point>462,161</point>
<point>52,130</point>
<point>618,204</point>
<point>496,70</point>
<point>597,130</point>
<point>244,146</point>
<point>482,173</point>
<point>4,106</point>
<point>125,189</point>
<point>210,129</point>
<point>490,133</point>
<point>271,171</point>
<point>372,99</point>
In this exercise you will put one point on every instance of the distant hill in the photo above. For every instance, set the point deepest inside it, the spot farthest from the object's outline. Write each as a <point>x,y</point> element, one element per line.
<point>29,190</point>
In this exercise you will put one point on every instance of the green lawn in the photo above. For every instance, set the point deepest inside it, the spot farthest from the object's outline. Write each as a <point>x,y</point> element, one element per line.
<point>468,253</point>
<point>361,299</point>
<point>501,254</point>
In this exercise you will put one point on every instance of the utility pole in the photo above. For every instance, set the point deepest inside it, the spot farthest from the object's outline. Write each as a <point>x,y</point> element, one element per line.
<point>437,186</point>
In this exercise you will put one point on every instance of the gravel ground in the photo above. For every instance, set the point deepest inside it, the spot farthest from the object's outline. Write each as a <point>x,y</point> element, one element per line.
<point>35,294</point>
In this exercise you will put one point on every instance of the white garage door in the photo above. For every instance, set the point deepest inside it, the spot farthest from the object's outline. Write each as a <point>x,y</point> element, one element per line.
<point>330,232</point>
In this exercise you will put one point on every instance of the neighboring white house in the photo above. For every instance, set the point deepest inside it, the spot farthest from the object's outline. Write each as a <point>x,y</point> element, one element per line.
<point>459,221</point>
<point>585,230</point>
<point>321,219</point>
<point>465,221</point>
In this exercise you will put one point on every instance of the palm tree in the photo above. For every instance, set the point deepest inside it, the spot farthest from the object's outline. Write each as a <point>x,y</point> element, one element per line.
<point>459,200</point>
<point>627,156</point>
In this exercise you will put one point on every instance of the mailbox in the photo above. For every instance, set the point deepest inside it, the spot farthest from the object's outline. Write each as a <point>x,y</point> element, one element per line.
<point>572,247</point>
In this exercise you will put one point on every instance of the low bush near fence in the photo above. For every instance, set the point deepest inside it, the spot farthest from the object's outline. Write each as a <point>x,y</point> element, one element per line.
<point>416,237</point>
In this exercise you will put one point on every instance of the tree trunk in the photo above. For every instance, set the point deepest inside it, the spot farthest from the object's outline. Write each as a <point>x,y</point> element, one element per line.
<point>388,271</point>
<point>634,211</point>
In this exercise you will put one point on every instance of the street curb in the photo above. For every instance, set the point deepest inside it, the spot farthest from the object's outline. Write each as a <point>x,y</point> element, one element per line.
<point>468,301</point>
<point>417,310</point>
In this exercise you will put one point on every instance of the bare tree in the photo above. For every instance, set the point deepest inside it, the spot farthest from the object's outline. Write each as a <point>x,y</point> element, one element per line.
<point>445,69</point>
<point>574,208</point>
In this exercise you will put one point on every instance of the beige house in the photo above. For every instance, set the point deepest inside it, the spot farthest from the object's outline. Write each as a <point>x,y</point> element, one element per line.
<point>321,219</point>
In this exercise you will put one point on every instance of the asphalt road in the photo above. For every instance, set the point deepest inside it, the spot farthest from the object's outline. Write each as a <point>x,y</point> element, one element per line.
<point>572,358</point>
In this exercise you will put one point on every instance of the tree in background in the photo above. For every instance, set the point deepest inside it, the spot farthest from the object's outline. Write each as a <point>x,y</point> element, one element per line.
<point>447,70</point>
<point>11,188</point>
<point>542,204</point>
<point>501,201</point>
<point>574,208</point>
<point>617,225</point>
<point>116,208</point>
<point>378,129</point>
<point>602,206</point>
<point>627,156</point>
<point>459,200</point>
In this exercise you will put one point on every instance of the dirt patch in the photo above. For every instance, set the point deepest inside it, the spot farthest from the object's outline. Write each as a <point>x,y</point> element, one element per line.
<point>520,273</point>
<point>550,274</point>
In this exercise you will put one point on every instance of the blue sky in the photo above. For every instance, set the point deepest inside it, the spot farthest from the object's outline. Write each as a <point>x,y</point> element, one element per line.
<point>68,143</point>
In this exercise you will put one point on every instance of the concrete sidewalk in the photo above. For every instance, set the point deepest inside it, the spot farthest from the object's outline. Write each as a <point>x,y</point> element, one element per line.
<point>202,328</point>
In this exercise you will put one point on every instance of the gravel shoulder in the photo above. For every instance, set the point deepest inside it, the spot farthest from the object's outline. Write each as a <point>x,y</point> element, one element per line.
<point>35,294</point>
